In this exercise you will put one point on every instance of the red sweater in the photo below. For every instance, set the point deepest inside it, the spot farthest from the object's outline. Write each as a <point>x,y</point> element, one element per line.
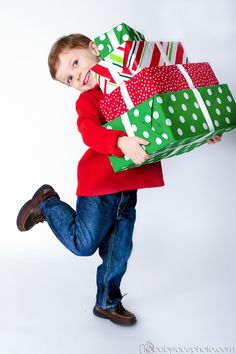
<point>95,174</point>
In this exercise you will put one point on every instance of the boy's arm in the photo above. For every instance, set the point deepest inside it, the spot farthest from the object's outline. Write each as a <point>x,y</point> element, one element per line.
<point>93,134</point>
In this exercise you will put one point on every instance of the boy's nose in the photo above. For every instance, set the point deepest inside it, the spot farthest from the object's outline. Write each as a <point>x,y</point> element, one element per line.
<point>78,75</point>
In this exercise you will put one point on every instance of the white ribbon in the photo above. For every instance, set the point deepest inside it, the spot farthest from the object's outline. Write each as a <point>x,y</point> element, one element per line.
<point>204,109</point>
<point>163,53</point>
<point>198,97</point>
<point>117,78</point>
<point>127,125</point>
<point>113,39</point>
<point>186,76</point>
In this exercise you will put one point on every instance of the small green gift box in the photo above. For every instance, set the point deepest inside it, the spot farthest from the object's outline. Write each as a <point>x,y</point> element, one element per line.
<point>110,40</point>
<point>176,122</point>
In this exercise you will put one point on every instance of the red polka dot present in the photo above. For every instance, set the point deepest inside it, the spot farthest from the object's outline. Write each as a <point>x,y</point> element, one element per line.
<point>154,80</point>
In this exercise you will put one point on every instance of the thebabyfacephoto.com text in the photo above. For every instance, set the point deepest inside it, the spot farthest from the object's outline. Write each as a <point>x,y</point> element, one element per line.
<point>149,347</point>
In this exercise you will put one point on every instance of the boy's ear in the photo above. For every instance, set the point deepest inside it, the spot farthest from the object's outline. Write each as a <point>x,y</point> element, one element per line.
<point>94,48</point>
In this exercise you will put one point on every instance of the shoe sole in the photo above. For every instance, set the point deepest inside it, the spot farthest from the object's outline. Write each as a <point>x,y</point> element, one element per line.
<point>130,323</point>
<point>21,214</point>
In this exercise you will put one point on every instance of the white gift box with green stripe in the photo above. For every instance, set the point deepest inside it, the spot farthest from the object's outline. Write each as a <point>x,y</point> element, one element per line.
<point>109,41</point>
<point>176,122</point>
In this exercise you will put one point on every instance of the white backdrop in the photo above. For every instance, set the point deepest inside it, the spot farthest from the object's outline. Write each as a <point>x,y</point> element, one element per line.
<point>181,277</point>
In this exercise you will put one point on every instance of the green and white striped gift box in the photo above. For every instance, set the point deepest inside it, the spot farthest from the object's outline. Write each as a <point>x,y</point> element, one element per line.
<point>176,122</point>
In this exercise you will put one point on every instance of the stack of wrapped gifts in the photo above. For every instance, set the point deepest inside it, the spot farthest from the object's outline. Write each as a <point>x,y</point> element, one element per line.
<point>153,92</point>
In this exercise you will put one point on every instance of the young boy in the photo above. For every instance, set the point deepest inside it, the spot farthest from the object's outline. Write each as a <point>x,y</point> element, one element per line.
<point>105,212</point>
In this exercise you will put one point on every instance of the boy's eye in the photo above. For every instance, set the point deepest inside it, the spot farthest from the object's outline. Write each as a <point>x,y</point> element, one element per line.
<point>69,79</point>
<point>75,63</point>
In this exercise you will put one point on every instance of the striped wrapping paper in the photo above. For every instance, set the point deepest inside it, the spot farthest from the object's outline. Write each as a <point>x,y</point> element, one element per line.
<point>132,56</point>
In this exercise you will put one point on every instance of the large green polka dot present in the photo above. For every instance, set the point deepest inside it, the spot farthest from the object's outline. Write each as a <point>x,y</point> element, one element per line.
<point>110,40</point>
<point>176,122</point>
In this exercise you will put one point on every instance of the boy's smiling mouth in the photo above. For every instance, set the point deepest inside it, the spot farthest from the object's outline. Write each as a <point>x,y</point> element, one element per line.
<point>86,78</point>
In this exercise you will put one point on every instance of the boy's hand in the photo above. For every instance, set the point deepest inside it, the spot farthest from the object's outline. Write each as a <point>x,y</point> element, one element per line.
<point>214,140</point>
<point>130,146</point>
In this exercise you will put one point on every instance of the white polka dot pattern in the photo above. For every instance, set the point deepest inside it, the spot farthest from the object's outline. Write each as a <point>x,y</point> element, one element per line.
<point>172,134</point>
<point>106,42</point>
<point>157,79</point>
<point>186,96</point>
<point>158,141</point>
<point>155,115</point>
<point>136,112</point>
<point>100,47</point>
<point>148,119</point>
<point>168,122</point>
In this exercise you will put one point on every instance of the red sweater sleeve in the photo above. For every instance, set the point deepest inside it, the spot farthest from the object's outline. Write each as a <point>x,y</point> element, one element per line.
<point>90,126</point>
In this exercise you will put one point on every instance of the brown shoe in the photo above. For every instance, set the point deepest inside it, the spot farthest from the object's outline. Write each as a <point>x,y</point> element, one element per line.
<point>30,214</point>
<point>119,315</point>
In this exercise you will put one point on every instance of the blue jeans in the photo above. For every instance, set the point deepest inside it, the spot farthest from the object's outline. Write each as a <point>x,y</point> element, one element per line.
<point>104,222</point>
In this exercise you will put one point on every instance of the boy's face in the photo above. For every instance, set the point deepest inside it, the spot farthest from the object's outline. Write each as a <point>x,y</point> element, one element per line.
<point>74,67</point>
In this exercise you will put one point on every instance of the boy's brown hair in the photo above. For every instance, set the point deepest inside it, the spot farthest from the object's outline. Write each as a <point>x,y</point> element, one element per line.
<point>71,41</point>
